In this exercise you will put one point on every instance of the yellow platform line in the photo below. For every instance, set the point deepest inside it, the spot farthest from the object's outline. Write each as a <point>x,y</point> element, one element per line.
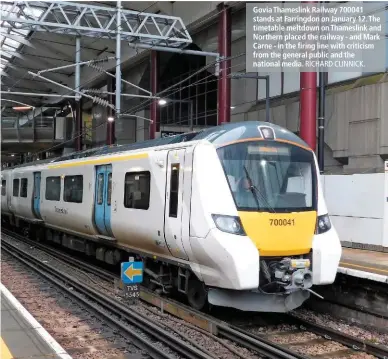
<point>5,353</point>
<point>364,267</point>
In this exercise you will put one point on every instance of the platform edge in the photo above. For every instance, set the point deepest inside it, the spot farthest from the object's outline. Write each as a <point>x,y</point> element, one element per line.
<point>51,342</point>
<point>362,274</point>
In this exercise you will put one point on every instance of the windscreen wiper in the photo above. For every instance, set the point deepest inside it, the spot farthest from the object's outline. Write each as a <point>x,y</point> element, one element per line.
<point>255,191</point>
<point>251,188</point>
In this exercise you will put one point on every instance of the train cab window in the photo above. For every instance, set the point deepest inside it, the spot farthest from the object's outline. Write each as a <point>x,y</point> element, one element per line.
<point>3,187</point>
<point>174,190</point>
<point>15,189</point>
<point>100,192</point>
<point>137,190</point>
<point>73,189</point>
<point>109,189</point>
<point>23,187</point>
<point>53,188</point>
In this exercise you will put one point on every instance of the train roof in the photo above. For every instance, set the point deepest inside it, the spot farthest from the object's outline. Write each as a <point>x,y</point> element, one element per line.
<point>244,130</point>
<point>217,135</point>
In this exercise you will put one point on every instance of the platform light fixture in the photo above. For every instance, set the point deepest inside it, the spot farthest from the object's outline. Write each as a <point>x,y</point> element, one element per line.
<point>232,107</point>
<point>111,119</point>
<point>22,108</point>
<point>162,102</point>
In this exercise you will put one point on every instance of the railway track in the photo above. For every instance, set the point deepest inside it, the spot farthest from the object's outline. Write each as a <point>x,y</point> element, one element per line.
<point>108,308</point>
<point>262,343</point>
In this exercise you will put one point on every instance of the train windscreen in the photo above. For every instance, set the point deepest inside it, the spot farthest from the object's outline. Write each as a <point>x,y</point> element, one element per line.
<point>270,176</point>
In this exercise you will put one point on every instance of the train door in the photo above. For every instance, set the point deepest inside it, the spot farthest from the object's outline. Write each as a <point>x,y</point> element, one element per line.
<point>102,201</point>
<point>174,203</point>
<point>36,196</point>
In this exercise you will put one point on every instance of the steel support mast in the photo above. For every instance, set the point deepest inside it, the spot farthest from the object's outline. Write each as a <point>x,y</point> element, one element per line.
<point>225,50</point>
<point>154,89</point>
<point>308,106</point>
<point>78,97</point>
<point>118,69</point>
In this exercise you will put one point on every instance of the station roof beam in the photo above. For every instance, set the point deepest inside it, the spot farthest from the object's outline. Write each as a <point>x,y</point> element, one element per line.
<point>82,19</point>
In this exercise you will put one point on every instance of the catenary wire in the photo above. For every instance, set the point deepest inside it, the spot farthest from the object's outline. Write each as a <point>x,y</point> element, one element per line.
<point>137,110</point>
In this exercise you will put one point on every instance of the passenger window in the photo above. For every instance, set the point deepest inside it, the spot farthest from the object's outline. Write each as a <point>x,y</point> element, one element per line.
<point>3,187</point>
<point>100,184</point>
<point>23,187</point>
<point>53,188</point>
<point>137,190</point>
<point>15,189</point>
<point>174,190</point>
<point>73,189</point>
<point>109,188</point>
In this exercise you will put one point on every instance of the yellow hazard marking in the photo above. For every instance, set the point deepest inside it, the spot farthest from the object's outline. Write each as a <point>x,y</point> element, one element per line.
<point>360,266</point>
<point>101,160</point>
<point>5,353</point>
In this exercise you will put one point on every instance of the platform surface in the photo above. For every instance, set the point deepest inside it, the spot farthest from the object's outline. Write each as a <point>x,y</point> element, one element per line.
<point>21,337</point>
<point>365,264</point>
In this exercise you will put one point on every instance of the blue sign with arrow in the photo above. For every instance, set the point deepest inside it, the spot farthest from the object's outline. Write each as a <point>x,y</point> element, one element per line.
<point>131,272</point>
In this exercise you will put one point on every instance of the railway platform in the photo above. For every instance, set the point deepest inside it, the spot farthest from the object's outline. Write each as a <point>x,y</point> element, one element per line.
<point>21,335</point>
<point>365,264</point>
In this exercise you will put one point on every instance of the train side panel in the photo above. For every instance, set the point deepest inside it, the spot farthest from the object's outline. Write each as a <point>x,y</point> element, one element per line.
<point>22,204</point>
<point>141,228</point>
<point>327,249</point>
<point>6,192</point>
<point>226,260</point>
<point>66,207</point>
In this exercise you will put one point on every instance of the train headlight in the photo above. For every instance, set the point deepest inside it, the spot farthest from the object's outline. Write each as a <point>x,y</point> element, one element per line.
<point>323,224</point>
<point>229,224</point>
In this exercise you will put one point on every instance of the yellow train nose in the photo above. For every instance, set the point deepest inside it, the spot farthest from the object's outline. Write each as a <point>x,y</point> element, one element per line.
<point>280,234</point>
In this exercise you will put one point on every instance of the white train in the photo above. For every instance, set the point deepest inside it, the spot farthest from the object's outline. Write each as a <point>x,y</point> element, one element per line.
<point>232,216</point>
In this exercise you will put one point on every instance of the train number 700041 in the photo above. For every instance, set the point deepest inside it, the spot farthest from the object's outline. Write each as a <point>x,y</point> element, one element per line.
<point>282,222</point>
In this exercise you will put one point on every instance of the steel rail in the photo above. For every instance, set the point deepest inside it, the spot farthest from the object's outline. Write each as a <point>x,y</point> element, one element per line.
<point>262,346</point>
<point>378,351</point>
<point>148,327</point>
<point>234,333</point>
<point>64,257</point>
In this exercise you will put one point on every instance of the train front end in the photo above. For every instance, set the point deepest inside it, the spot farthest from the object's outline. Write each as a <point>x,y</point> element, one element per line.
<point>275,183</point>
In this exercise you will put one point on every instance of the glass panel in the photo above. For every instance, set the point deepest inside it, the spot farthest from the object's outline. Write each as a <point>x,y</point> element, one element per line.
<point>174,190</point>
<point>8,48</point>
<point>15,188</point>
<point>269,176</point>
<point>12,43</point>
<point>109,189</point>
<point>23,187</point>
<point>100,189</point>
<point>137,190</point>
<point>3,187</point>
<point>36,186</point>
<point>53,188</point>
<point>73,189</point>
